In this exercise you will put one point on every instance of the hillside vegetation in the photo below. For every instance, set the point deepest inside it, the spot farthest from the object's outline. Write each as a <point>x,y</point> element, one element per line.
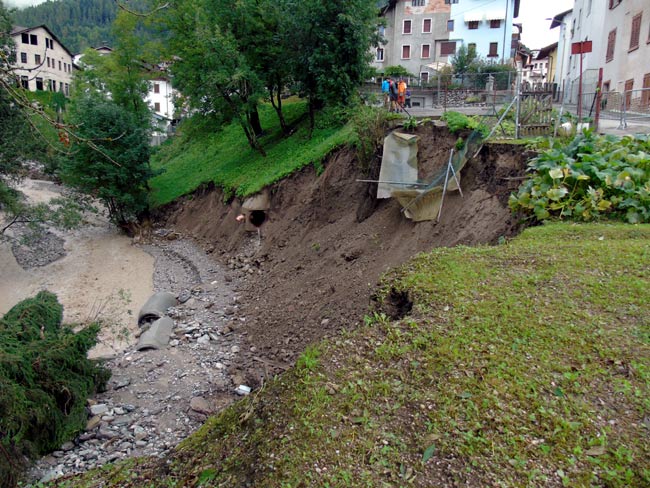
<point>224,157</point>
<point>524,364</point>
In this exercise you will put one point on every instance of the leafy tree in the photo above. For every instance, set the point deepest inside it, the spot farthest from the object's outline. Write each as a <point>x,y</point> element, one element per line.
<point>331,41</point>
<point>210,69</point>
<point>122,73</point>
<point>110,160</point>
<point>464,57</point>
<point>397,71</point>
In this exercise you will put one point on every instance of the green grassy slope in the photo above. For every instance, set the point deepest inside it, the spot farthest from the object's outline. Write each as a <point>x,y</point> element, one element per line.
<point>226,159</point>
<point>525,364</point>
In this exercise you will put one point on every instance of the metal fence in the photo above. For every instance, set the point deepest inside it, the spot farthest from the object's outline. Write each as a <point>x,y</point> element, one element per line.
<point>627,106</point>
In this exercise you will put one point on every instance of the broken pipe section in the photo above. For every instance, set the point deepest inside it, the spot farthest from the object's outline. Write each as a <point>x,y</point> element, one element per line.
<point>255,210</point>
<point>152,317</point>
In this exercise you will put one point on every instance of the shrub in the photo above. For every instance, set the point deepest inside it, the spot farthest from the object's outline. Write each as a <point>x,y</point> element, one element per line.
<point>370,125</point>
<point>591,178</point>
<point>45,379</point>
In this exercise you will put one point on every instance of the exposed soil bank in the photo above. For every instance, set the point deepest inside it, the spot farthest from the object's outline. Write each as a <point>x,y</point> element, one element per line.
<point>316,266</point>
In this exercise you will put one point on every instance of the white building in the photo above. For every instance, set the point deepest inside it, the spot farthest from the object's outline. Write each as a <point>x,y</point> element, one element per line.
<point>626,60</point>
<point>161,100</point>
<point>586,24</point>
<point>486,26</point>
<point>42,62</point>
<point>561,78</point>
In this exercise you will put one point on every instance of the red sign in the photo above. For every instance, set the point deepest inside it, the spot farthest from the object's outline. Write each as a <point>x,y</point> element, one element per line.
<point>583,47</point>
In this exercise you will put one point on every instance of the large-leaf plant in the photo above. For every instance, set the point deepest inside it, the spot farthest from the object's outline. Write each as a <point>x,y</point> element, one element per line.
<point>591,178</point>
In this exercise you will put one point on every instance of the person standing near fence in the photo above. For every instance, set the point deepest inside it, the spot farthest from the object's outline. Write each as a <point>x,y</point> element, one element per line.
<point>385,86</point>
<point>407,102</point>
<point>392,92</point>
<point>401,94</point>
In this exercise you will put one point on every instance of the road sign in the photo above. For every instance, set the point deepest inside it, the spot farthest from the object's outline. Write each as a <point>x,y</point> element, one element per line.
<point>583,47</point>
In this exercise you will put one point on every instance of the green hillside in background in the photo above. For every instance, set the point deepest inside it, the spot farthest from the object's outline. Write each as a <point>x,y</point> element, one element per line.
<point>78,24</point>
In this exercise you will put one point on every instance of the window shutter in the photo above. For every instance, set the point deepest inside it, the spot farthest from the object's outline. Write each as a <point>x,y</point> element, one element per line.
<point>611,42</point>
<point>636,32</point>
<point>447,48</point>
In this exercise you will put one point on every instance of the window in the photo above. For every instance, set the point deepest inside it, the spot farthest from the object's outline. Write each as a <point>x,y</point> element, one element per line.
<point>614,3</point>
<point>24,82</point>
<point>382,30</point>
<point>23,57</point>
<point>450,26</point>
<point>449,2</point>
<point>494,48</point>
<point>33,39</point>
<point>611,43</point>
<point>37,59</point>
<point>406,27</point>
<point>495,24</point>
<point>424,76</point>
<point>59,65</point>
<point>156,107</point>
<point>24,37</point>
<point>39,84</point>
<point>472,24</point>
<point>67,90</point>
<point>426,26</point>
<point>426,50</point>
<point>48,61</point>
<point>406,52</point>
<point>378,57</point>
<point>49,85</point>
<point>636,32</point>
<point>418,3</point>
<point>447,48</point>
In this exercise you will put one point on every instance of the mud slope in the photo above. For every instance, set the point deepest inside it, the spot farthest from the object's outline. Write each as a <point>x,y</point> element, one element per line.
<point>314,270</point>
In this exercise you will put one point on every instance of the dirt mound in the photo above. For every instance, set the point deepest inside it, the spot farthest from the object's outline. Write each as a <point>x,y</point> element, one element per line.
<point>313,271</point>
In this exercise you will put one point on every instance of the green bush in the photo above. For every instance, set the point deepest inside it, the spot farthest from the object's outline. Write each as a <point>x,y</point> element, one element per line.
<point>591,178</point>
<point>457,121</point>
<point>45,379</point>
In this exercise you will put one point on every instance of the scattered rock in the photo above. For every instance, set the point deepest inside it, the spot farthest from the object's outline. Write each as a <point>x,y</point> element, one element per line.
<point>200,404</point>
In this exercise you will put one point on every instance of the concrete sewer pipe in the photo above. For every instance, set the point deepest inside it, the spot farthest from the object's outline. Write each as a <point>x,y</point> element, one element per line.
<point>156,307</point>
<point>157,336</point>
<point>255,210</point>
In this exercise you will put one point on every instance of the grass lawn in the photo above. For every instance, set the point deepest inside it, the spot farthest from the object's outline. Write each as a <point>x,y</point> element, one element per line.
<point>524,364</point>
<point>226,159</point>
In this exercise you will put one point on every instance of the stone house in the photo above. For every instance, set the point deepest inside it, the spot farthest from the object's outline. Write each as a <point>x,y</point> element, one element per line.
<point>42,62</point>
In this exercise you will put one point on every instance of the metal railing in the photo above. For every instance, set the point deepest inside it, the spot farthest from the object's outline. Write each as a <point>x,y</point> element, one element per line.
<point>626,106</point>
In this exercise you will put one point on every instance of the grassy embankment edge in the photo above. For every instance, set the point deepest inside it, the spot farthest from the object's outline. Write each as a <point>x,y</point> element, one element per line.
<point>524,364</point>
<point>223,157</point>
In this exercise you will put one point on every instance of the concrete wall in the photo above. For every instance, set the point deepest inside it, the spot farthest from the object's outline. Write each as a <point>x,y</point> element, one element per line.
<point>54,66</point>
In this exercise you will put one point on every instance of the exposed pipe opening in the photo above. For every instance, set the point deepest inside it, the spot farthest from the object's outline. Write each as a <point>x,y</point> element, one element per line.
<point>257,217</point>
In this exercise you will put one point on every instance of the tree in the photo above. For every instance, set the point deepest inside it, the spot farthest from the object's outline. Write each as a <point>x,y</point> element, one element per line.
<point>463,59</point>
<point>211,69</point>
<point>123,73</point>
<point>115,169</point>
<point>330,43</point>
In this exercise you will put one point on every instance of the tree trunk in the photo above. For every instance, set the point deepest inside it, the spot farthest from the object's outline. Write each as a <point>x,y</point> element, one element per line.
<point>277,105</point>
<point>253,117</point>
<point>312,116</point>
